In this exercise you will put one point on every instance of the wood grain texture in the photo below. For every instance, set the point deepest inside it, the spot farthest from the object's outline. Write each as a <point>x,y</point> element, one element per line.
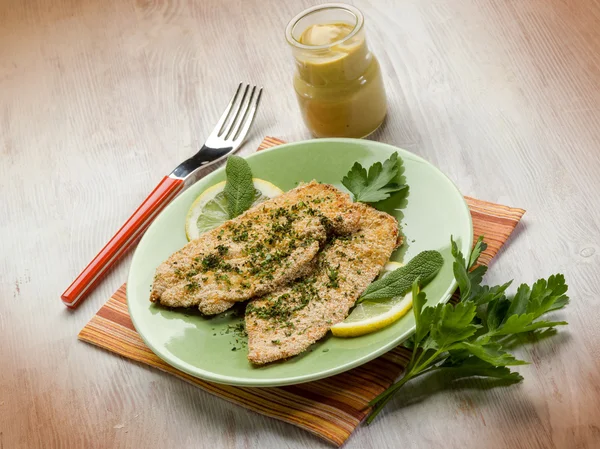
<point>98,99</point>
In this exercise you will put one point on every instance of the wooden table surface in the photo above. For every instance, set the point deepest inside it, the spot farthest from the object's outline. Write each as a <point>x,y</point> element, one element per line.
<point>100,98</point>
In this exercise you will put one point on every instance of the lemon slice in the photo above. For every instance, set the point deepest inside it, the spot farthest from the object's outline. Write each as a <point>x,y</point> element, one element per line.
<point>370,316</point>
<point>209,210</point>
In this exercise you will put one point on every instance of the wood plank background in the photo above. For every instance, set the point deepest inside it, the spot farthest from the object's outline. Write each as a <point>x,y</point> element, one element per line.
<point>99,99</point>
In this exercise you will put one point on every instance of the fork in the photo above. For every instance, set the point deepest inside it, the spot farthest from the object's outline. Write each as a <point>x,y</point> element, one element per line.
<point>227,137</point>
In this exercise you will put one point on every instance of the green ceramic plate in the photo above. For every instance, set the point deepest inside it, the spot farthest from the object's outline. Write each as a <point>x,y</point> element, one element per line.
<point>207,347</point>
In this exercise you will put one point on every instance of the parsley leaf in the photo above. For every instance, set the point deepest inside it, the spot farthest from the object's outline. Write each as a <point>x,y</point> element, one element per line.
<point>523,323</point>
<point>461,273</point>
<point>476,367</point>
<point>239,188</point>
<point>423,315</point>
<point>453,323</point>
<point>488,352</point>
<point>472,338</point>
<point>378,183</point>
<point>480,246</point>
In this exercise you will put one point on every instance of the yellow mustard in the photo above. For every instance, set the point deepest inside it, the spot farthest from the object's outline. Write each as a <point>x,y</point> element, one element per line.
<point>338,80</point>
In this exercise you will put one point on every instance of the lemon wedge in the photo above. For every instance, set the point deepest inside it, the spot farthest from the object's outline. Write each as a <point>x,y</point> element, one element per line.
<point>209,210</point>
<point>371,316</point>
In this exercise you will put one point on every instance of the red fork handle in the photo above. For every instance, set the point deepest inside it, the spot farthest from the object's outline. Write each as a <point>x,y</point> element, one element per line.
<point>133,228</point>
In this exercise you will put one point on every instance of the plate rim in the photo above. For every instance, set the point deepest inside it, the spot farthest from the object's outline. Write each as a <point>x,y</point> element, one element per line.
<point>210,376</point>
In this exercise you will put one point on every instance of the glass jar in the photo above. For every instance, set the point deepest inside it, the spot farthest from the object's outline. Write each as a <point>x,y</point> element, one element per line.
<point>338,80</point>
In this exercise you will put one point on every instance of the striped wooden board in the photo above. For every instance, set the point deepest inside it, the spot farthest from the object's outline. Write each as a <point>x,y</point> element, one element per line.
<point>330,408</point>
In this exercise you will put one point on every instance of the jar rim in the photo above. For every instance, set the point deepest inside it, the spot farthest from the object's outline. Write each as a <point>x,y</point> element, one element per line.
<point>292,23</point>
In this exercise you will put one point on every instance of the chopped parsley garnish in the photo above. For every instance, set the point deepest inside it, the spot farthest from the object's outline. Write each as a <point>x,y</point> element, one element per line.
<point>192,286</point>
<point>210,262</point>
<point>333,275</point>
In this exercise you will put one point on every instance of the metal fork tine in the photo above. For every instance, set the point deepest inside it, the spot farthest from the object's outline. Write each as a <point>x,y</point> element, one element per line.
<point>234,130</point>
<point>235,116</point>
<point>221,123</point>
<point>248,119</point>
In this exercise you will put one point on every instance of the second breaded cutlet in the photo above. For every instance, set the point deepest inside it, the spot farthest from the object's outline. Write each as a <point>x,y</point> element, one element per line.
<point>289,320</point>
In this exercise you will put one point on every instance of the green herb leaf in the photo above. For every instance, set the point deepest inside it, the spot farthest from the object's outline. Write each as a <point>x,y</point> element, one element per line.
<point>495,313</point>
<point>490,352</point>
<point>473,366</point>
<point>461,273</point>
<point>476,276</point>
<point>376,185</point>
<point>424,266</point>
<point>423,315</point>
<point>472,338</point>
<point>239,189</point>
<point>517,315</point>
<point>453,323</point>
<point>480,246</point>
<point>483,294</point>
<point>516,324</point>
<point>547,295</point>
<point>520,302</point>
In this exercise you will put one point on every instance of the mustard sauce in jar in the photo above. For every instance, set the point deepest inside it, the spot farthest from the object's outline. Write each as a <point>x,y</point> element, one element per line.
<point>338,81</point>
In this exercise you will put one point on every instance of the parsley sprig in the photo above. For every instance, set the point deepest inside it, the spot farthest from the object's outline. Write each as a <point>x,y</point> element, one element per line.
<point>378,183</point>
<point>470,339</point>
